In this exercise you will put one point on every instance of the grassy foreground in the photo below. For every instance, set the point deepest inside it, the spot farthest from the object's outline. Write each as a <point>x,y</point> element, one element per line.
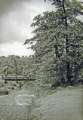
<point>64,104</point>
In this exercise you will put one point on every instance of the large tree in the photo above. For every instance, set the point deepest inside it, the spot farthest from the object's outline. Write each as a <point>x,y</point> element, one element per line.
<point>69,10</point>
<point>58,38</point>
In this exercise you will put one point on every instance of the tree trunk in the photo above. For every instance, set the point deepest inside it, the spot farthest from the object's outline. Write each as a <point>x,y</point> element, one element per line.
<point>68,69</point>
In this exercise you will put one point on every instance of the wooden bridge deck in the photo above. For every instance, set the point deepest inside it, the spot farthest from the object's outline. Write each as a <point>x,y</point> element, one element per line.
<point>18,78</point>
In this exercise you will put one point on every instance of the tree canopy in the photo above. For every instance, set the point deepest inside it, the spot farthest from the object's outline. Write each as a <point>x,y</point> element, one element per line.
<point>58,43</point>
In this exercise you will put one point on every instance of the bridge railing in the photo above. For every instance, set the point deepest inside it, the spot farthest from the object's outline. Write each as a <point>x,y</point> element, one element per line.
<point>14,78</point>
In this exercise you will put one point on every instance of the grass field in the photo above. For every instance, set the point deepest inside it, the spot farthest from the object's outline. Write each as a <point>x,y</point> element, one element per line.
<point>64,104</point>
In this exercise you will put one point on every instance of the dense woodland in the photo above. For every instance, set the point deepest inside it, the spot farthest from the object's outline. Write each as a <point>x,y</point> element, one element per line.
<point>13,65</point>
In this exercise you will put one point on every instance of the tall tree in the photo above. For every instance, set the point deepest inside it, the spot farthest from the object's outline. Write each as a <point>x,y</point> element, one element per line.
<point>70,9</point>
<point>58,38</point>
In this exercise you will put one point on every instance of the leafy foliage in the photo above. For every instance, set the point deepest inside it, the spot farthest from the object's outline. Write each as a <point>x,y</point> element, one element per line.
<point>8,65</point>
<point>58,43</point>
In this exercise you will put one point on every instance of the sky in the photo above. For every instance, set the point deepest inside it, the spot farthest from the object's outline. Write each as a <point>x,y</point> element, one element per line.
<point>15,20</point>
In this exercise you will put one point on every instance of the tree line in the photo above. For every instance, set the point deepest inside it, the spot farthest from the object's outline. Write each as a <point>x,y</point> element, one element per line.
<point>15,65</point>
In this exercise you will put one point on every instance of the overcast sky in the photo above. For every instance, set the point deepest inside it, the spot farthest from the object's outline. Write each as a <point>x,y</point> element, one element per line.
<point>15,19</point>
